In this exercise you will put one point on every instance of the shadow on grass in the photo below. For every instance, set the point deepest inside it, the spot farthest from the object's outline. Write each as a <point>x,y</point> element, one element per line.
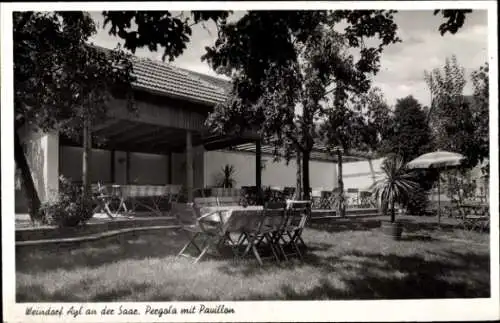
<point>417,237</point>
<point>344,225</point>
<point>400,277</point>
<point>448,274</point>
<point>129,246</point>
<point>410,225</point>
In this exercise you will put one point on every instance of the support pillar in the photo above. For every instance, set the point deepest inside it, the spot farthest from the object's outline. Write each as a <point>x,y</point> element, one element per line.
<point>189,166</point>
<point>42,157</point>
<point>370,163</point>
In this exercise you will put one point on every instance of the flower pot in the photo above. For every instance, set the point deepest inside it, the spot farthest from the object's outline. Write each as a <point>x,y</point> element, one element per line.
<point>392,229</point>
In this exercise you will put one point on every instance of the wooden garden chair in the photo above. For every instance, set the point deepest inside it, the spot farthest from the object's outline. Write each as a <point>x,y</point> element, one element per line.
<point>194,225</point>
<point>206,201</point>
<point>112,203</point>
<point>259,233</point>
<point>298,214</point>
<point>228,200</point>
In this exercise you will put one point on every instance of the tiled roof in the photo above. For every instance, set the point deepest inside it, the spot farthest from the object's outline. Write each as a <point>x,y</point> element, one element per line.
<point>166,79</point>
<point>217,81</point>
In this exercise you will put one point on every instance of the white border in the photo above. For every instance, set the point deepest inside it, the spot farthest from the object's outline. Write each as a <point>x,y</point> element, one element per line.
<point>421,310</point>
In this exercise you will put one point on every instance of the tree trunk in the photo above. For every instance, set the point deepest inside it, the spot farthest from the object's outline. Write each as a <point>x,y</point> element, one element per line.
<point>258,171</point>
<point>341,206</point>
<point>393,213</point>
<point>298,185</point>
<point>87,157</point>
<point>305,175</point>
<point>27,181</point>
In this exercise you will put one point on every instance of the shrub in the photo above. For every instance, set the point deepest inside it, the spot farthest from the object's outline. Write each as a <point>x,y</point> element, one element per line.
<point>417,202</point>
<point>69,209</point>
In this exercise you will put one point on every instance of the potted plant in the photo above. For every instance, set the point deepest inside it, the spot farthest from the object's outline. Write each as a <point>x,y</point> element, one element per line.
<point>396,187</point>
<point>226,177</point>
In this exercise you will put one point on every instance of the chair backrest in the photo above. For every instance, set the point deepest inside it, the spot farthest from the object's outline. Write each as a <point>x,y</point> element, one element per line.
<point>173,192</point>
<point>247,220</point>
<point>206,201</point>
<point>365,194</point>
<point>228,200</point>
<point>298,213</point>
<point>316,193</point>
<point>99,189</point>
<point>174,189</point>
<point>273,218</point>
<point>275,205</point>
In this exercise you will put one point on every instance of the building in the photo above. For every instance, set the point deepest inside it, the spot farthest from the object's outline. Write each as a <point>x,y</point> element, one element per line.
<point>157,145</point>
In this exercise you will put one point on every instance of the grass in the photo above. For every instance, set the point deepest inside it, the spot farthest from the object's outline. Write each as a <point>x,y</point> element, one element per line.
<point>346,260</point>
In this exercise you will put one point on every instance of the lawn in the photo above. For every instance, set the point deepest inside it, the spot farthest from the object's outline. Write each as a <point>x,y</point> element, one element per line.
<point>346,260</point>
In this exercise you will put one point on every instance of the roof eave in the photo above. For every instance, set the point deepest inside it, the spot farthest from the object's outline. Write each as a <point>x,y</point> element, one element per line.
<point>208,104</point>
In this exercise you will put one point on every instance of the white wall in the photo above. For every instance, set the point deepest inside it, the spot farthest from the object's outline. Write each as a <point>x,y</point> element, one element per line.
<point>359,174</point>
<point>42,154</point>
<point>148,169</point>
<point>71,164</point>
<point>322,174</point>
<point>144,169</point>
<point>120,167</point>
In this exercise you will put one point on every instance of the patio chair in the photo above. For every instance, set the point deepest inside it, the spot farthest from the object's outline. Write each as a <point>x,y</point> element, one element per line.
<point>353,197</point>
<point>112,203</point>
<point>298,213</point>
<point>326,202</point>
<point>474,217</point>
<point>228,200</point>
<point>288,192</point>
<point>316,199</point>
<point>366,199</point>
<point>192,222</point>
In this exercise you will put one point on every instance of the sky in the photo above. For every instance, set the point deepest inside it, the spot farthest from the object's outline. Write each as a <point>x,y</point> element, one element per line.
<point>402,65</point>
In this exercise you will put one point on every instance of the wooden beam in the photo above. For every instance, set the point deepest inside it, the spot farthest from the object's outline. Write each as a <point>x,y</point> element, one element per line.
<point>106,124</point>
<point>127,174</point>
<point>140,131</point>
<point>112,166</point>
<point>123,127</point>
<point>160,115</point>
<point>158,137</point>
<point>189,166</point>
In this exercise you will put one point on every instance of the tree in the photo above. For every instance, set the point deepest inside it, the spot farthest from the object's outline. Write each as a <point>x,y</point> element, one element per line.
<point>153,29</point>
<point>456,19</point>
<point>60,82</point>
<point>283,60</point>
<point>480,108</point>
<point>452,117</point>
<point>409,133</point>
<point>360,124</point>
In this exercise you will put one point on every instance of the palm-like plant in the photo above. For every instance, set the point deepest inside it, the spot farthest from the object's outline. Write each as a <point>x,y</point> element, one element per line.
<point>226,179</point>
<point>397,185</point>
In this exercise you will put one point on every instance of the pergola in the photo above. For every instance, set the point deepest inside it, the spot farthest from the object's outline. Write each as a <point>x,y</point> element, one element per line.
<point>172,107</point>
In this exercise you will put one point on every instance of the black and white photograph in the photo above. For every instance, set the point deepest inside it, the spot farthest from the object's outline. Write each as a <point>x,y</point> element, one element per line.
<point>258,161</point>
